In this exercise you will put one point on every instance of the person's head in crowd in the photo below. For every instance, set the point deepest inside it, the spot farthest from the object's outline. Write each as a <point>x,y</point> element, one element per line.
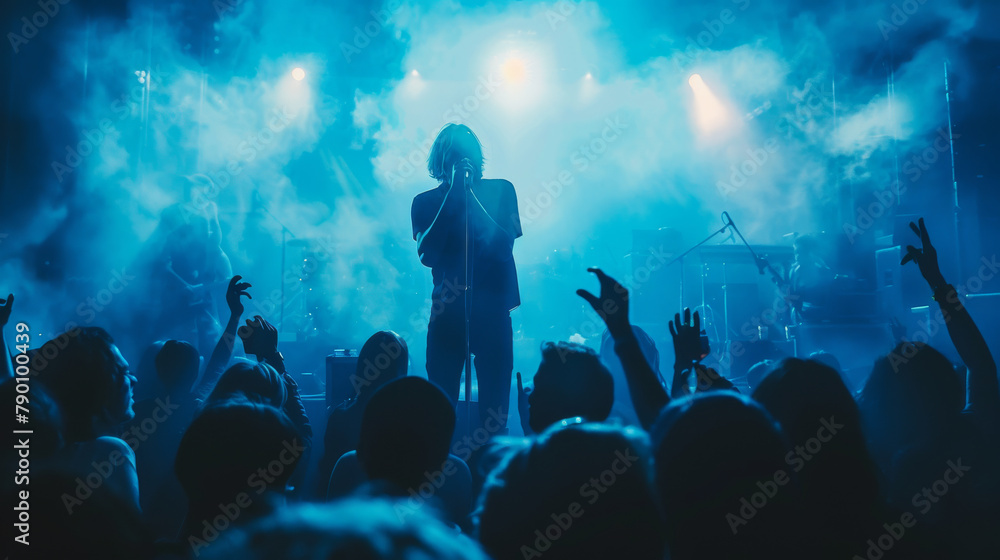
<point>384,357</point>
<point>580,490</point>
<point>912,394</point>
<point>646,344</point>
<point>370,529</point>
<point>406,431</point>
<point>711,451</point>
<point>454,143</point>
<point>827,359</point>
<point>235,451</point>
<point>758,372</point>
<point>254,381</point>
<point>817,412</point>
<point>177,365</point>
<point>831,361</point>
<point>89,379</point>
<point>571,381</point>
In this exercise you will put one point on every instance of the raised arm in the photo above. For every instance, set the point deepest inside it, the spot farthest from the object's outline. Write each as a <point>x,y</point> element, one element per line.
<point>432,236</point>
<point>983,392</point>
<point>648,395</point>
<point>223,351</point>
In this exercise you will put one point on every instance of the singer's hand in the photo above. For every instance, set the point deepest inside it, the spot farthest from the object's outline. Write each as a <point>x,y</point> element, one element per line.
<point>463,172</point>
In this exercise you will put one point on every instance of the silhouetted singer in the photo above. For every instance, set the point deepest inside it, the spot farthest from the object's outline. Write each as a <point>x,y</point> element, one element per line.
<point>438,216</point>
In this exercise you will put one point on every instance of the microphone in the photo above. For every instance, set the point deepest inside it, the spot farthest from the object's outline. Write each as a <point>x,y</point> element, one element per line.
<point>466,173</point>
<point>728,223</point>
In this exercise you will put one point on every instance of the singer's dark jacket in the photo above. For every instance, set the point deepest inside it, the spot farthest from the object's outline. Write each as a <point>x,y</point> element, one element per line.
<point>494,279</point>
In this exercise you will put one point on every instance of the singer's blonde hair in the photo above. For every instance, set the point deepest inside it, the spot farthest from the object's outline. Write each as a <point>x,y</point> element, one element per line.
<point>454,142</point>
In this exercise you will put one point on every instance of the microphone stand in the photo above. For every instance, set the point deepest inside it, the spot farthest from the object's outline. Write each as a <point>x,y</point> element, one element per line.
<point>761,261</point>
<point>680,257</point>
<point>763,265</point>
<point>467,289</point>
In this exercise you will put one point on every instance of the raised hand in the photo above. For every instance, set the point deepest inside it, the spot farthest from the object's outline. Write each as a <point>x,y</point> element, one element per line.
<point>925,257</point>
<point>260,338</point>
<point>233,293</point>
<point>5,308</point>
<point>612,305</point>
<point>687,338</point>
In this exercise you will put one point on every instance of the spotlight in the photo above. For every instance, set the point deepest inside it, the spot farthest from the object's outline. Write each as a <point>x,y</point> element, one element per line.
<point>710,114</point>
<point>513,70</point>
<point>299,74</point>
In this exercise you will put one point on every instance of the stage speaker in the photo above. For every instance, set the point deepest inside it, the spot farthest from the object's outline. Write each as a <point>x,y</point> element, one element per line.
<point>340,366</point>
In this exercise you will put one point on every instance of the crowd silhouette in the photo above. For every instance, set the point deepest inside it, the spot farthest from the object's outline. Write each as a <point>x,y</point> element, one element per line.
<point>615,463</point>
